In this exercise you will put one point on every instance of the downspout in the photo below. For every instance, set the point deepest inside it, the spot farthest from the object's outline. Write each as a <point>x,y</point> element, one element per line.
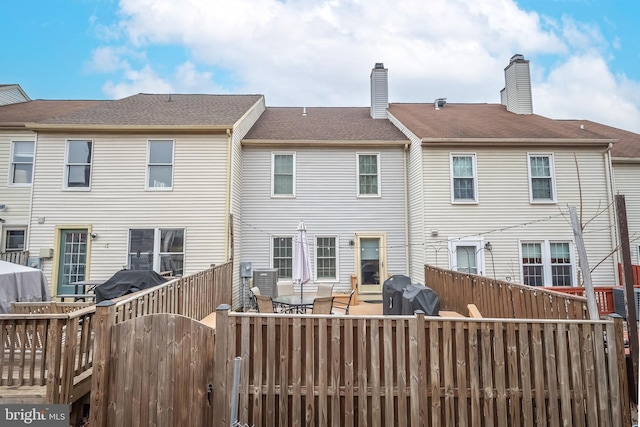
<point>612,214</point>
<point>228,198</point>
<point>406,210</point>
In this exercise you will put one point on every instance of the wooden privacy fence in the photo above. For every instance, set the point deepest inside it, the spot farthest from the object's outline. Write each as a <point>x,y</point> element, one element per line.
<point>496,298</point>
<point>194,296</point>
<point>419,371</point>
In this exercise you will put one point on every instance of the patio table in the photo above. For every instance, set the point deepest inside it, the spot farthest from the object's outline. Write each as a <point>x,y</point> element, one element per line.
<point>294,303</point>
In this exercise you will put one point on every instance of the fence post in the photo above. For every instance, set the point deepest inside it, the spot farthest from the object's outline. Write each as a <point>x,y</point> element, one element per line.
<point>220,366</point>
<point>104,321</point>
<point>53,362</point>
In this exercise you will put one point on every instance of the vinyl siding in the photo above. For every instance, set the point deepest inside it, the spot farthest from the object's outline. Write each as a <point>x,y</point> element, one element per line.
<point>16,198</point>
<point>627,177</point>
<point>11,95</point>
<point>504,215</point>
<point>118,200</point>
<point>326,201</point>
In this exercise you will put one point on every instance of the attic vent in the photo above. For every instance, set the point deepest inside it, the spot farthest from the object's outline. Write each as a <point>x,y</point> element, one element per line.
<point>440,102</point>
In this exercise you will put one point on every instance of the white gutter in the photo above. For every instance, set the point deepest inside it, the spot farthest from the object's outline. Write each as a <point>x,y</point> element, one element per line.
<point>613,222</point>
<point>228,198</point>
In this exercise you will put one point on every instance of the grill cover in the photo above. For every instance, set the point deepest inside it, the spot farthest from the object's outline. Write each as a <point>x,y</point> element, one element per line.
<point>419,297</point>
<point>392,290</point>
<point>126,282</point>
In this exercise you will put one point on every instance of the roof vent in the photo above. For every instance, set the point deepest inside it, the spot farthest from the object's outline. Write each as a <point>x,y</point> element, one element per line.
<point>304,111</point>
<point>440,102</point>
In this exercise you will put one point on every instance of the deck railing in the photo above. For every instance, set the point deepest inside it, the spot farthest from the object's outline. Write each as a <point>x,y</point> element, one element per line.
<point>21,257</point>
<point>417,370</point>
<point>496,298</point>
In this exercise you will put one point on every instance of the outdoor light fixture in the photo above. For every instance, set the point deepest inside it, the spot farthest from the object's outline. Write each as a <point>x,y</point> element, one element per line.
<point>434,232</point>
<point>488,247</point>
<point>94,236</point>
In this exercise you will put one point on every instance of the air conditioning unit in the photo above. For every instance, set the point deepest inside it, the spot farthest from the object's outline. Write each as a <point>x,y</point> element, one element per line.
<point>267,281</point>
<point>618,301</point>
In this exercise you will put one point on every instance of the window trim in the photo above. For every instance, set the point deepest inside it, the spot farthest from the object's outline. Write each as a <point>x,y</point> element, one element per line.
<point>65,183</point>
<point>476,199</point>
<point>335,279</point>
<point>271,254</point>
<point>157,235</point>
<point>378,174</point>
<point>148,167</point>
<point>477,243</point>
<point>273,174</point>
<point>12,163</point>
<point>552,170</point>
<point>5,238</point>
<point>547,275</point>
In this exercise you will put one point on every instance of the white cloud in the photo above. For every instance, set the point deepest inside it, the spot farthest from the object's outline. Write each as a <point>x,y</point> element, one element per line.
<point>143,81</point>
<point>320,52</point>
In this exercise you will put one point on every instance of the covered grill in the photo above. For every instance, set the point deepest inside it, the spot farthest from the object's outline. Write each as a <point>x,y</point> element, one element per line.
<point>401,297</point>
<point>126,282</point>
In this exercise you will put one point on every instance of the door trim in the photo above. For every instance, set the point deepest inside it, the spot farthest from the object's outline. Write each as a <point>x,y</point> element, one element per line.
<point>56,252</point>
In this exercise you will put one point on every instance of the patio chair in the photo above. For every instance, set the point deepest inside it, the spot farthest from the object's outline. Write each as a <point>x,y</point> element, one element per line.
<point>341,306</point>
<point>324,290</point>
<point>252,297</point>
<point>285,289</point>
<point>322,305</point>
<point>265,304</point>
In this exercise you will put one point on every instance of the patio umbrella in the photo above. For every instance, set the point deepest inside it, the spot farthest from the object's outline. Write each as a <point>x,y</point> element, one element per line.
<point>302,260</point>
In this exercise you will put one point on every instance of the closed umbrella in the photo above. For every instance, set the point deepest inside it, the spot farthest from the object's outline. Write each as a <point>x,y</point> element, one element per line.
<point>302,260</point>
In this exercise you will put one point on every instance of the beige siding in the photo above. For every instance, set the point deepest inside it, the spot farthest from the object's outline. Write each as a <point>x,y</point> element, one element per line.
<point>504,215</point>
<point>16,198</point>
<point>627,180</point>
<point>118,200</point>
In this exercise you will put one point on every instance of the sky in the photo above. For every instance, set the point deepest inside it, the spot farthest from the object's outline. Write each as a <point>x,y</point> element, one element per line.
<point>584,54</point>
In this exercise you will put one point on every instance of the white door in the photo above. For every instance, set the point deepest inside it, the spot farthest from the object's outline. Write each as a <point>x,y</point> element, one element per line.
<point>370,262</point>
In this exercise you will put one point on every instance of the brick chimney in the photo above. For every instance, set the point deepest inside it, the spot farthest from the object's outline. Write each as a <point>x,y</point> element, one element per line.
<point>379,92</point>
<point>516,94</point>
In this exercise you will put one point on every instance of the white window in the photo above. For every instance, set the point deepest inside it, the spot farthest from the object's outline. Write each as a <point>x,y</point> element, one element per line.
<point>541,178</point>
<point>283,172</point>
<point>78,164</point>
<point>467,255</point>
<point>21,162</point>
<point>464,182</point>
<point>368,175</point>
<point>158,249</point>
<point>14,239</point>
<point>160,165</point>
<point>546,263</point>
<point>282,252</point>
<point>326,258</point>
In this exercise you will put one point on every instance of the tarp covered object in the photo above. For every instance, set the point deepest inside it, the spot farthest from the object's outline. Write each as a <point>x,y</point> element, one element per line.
<point>19,283</point>
<point>419,297</point>
<point>392,290</point>
<point>126,282</point>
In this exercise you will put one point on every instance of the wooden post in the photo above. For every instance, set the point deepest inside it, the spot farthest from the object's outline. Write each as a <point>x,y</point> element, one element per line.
<point>220,368</point>
<point>584,265</point>
<point>104,320</point>
<point>53,362</point>
<point>629,294</point>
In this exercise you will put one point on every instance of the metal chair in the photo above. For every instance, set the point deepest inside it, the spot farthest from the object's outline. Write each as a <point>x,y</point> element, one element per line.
<point>265,304</point>
<point>324,290</point>
<point>343,307</point>
<point>322,305</point>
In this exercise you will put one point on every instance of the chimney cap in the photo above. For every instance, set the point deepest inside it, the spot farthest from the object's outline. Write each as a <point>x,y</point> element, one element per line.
<point>517,57</point>
<point>379,66</point>
<point>440,102</point>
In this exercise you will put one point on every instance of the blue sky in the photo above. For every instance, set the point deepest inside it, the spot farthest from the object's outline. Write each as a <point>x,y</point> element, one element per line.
<point>584,54</point>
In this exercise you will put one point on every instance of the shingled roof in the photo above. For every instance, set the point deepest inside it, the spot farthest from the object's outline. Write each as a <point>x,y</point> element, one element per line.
<point>628,145</point>
<point>483,121</point>
<point>157,110</point>
<point>322,124</point>
<point>18,114</point>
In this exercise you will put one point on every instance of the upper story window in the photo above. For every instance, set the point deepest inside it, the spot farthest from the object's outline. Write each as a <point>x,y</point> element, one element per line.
<point>368,175</point>
<point>283,256</point>
<point>547,263</point>
<point>541,178</point>
<point>158,249</point>
<point>21,162</point>
<point>283,174</point>
<point>326,258</point>
<point>464,182</point>
<point>14,239</point>
<point>78,164</point>
<point>160,165</point>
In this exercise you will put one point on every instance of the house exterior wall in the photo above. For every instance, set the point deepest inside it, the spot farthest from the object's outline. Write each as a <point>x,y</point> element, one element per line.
<point>504,215</point>
<point>627,175</point>
<point>11,95</point>
<point>239,132</point>
<point>118,200</point>
<point>325,199</point>
<point>17,198</point>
